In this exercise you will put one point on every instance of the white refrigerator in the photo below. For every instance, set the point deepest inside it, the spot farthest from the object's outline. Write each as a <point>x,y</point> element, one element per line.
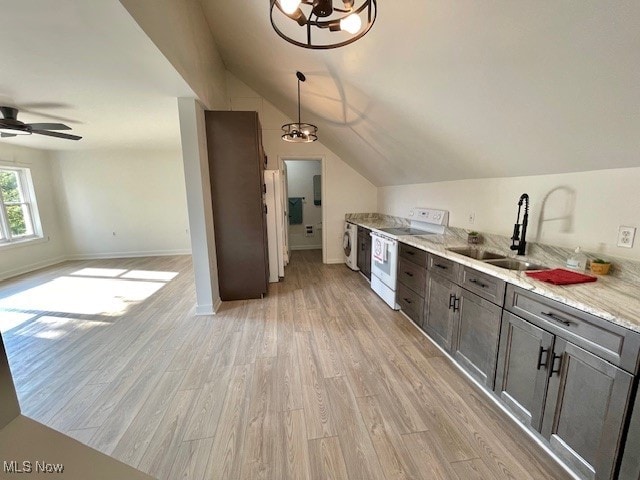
<point>276,224</point>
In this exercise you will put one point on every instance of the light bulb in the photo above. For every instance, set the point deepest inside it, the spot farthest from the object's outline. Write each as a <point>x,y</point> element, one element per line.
<point>351,23</point>
<point>289,6</point>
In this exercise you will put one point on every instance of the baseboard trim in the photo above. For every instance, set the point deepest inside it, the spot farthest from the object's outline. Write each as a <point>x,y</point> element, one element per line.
<point>88,256</point>
<point>108,255</point>
<point>305,247</point>
<point>334,261</point>
<point>30,268</point>
<point>204,310</point>
<point>216,305</point>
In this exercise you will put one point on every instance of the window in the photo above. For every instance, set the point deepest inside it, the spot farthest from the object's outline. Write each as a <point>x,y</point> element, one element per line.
<point>18,211</point>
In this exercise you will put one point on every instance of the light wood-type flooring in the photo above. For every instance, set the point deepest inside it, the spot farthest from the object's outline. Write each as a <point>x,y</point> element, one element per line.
<point>320,379</point>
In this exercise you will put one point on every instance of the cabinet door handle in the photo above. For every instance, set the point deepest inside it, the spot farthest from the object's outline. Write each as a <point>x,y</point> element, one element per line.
<point>408,252</point>
<point>443,267</point>
<point>553,370</point>
<point>477,282</point>
<point>546,360</point>
<point>407,300</point>
<point>456,303</point>
<point>408,274</point>
<point>452,300</point>
<point>558,319</point>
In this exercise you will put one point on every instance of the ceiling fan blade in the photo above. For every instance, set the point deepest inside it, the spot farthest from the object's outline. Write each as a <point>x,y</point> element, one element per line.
<point>49,126</point>
<point>6,135</point>
<point>56,134</point>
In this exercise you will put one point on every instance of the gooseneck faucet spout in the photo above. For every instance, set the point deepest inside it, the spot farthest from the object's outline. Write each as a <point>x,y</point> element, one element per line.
<point>520,229</point>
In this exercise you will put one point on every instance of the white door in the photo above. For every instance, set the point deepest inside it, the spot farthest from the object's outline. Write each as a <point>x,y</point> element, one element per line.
<point>272,231</point>
<point>281,227</point>
<point>285,217</point>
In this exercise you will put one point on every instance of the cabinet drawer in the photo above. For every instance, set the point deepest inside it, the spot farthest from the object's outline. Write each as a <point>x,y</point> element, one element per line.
<point>412,276</point>
<point>487,286</point>
<point>443,267</point>
<point>607,340</point>
<point>413,254</point>
<point>410,302</point>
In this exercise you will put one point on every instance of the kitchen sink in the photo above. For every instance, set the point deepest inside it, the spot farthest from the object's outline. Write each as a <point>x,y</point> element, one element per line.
<point>476,254</point>
<point>512,264</point>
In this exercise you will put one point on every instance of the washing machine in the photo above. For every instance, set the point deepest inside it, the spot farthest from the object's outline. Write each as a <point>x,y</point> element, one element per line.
<point>350,245</point>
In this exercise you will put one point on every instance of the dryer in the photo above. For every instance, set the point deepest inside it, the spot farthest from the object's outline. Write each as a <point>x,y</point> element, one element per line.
<point>350,245</point>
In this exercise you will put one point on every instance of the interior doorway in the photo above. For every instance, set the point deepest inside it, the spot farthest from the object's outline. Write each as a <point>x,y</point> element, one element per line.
<point>303,180</point>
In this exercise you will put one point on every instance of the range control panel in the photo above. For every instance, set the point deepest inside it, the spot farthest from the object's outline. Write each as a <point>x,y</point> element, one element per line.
<point>430,215</point>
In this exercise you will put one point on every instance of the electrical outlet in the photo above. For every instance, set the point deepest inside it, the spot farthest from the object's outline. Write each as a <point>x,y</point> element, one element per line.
<point>626,236</point>
<point>472,218</point>
<point>308,230</point>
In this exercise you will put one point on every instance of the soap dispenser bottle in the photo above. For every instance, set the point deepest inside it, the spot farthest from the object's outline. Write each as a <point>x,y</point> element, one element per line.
<point>577,261</point>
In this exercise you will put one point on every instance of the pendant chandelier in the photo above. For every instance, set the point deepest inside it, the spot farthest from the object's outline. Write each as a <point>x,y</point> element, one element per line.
<point>303,22</point>
<point>300,132</point>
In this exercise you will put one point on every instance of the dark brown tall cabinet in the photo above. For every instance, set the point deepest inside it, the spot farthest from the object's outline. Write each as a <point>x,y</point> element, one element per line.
<point>236,172</point>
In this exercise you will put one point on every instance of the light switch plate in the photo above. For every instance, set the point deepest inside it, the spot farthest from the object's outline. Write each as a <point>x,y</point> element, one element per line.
<point>626,236</point>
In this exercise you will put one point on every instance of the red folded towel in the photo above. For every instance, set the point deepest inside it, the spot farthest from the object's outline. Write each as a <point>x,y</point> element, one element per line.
<point>560,276</point>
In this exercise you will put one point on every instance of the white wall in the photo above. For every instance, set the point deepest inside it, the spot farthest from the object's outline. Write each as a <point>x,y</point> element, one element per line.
<point>300,184</point>
<point>180,31</point>
<point>139,195</point>
<point>584,208</point>
<point>17,259</point>
<point>346,191</point>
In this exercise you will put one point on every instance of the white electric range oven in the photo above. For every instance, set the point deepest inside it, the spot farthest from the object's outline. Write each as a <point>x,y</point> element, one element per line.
<point>384,249</point>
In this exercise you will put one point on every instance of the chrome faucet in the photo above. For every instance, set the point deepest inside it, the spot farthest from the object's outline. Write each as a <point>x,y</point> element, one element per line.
<point>521,240</point>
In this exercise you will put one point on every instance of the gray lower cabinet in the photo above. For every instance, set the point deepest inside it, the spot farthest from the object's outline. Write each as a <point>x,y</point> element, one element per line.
<point>522,376</point>
<point>412,272</point>
<point>630,468</point>
<point>576,400</point>
<point>585,410</point>
<point>477,335</point>
<point>439,310</point>
<point>464,321</point>
<point>363,258</point>
<point>565,374</point>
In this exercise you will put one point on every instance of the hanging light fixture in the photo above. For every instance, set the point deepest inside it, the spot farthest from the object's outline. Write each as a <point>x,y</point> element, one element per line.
<point>300,132</point>
<point>303,20</point>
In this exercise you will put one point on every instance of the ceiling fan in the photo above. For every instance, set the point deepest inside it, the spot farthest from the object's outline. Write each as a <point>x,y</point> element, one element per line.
<point>10,126</point>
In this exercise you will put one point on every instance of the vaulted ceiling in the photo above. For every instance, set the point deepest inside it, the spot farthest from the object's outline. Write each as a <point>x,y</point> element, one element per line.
<point>90,66</point>
<point>437,90</point>
<point>442,90</point>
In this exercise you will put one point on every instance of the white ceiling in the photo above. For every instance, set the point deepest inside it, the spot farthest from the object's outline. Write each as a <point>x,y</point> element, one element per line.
<point>438,90</point>
<point>442,90</point>
<point>89,65</point>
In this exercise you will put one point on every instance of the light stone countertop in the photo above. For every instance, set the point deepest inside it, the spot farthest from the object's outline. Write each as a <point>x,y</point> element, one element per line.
<point>609,298</point>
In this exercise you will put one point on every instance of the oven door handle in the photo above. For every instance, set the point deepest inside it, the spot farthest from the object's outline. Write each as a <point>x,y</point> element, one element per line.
<point>388,240</point>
